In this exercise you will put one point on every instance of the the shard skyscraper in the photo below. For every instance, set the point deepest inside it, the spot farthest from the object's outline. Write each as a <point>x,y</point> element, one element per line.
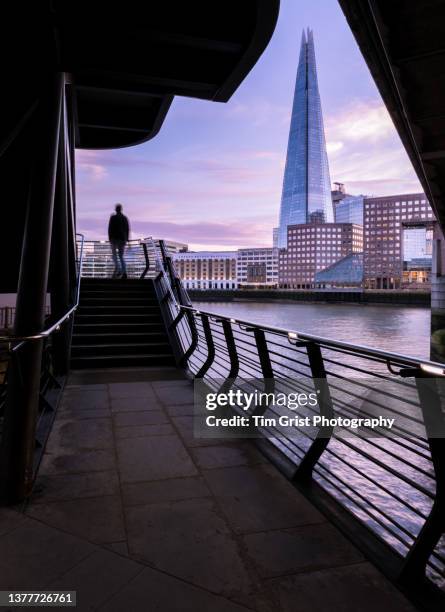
<point>306,196</point>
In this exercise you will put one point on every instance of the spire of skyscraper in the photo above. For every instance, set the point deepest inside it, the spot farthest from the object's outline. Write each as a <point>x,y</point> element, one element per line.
<point>306,195</point>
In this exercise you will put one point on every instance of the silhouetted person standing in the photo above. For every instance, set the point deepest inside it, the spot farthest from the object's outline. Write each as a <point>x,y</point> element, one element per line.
<point>118,234</point>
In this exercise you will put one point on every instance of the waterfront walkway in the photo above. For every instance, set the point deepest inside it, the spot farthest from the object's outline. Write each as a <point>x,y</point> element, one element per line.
<point>134,513</point>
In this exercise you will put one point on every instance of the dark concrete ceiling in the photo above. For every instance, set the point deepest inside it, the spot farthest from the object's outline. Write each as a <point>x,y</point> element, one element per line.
<point>127,60</point>
<point>403,43</point>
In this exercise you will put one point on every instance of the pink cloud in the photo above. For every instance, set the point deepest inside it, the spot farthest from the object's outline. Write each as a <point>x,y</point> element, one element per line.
<point>91,163</point>
<point>363,121</point>
<point>232,167</point>
<point>234,234</point>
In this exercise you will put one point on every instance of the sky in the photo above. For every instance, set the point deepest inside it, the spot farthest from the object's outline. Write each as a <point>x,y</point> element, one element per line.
<point>212,177</point>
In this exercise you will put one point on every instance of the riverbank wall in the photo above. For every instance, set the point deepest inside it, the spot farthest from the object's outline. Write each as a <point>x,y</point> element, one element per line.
<point>405,298</point>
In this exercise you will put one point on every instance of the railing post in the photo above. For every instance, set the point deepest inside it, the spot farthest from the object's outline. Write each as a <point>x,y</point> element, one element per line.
<point>167,262</point>
<point>210,347</point>
<point>178,291</point>
<point>233,355</point>
<point>415,562</point>
<point>147,260</point>
<point>264,357</point>
<point>22,404</point>
<point>195,338</point>
<point>163,251</point>
<point>315,357</point>
<point>171,323</point>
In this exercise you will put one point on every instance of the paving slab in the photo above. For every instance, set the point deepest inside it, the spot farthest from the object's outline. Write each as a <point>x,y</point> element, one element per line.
<point>258,498</point>
<point>62,487</point>
<point>75,388</point>
<point>85,399</point>
<point>97,519</point>
<point>226,455</point>
<point>34,554</point>
<point>70,414</point>
<point>174,489</point>
<point>305,548</point>
<point>76,434</point>
<point>159,534</point>
<point>72,386</point>
<point>184,425</point>
<point>123,404</point>
<point>148,417</point>
<point>10,520</point>
<point>153,458</point>
<point>97,578</point>
<point>175,394</point>
<point>121,548</point>
<point>181,410</point>
<point>155,591</point>
<point>60,462</point>
<point>140,431</point>
<point>356,588</point>
<point>130,390</point>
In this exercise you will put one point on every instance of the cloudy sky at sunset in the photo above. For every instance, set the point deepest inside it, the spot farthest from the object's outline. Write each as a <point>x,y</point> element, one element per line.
<point>212,177</point>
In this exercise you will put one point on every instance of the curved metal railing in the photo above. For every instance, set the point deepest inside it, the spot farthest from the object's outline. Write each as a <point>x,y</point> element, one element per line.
<point>45,333</point>
<point>99,263</point>
<point>391,485</point>
<point>49,384</point>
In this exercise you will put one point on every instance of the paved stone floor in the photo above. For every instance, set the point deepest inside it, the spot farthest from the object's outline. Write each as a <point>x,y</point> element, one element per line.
<point>134,513</point>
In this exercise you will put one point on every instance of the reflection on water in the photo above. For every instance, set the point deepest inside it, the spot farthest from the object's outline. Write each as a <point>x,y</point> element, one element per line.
<point>398,329</point>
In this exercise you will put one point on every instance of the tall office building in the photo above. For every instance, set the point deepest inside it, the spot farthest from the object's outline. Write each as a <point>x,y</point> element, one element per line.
<point>306,196</point>
<point>349,210</point>
<point>312,248</point>
<point>397,241</point>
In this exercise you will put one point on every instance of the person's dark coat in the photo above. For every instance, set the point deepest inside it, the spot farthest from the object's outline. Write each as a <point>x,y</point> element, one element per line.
<point>118,227</point>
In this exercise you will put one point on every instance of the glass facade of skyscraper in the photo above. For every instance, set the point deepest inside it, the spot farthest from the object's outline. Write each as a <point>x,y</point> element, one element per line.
<point>349,210</point>
<point>306,196</point>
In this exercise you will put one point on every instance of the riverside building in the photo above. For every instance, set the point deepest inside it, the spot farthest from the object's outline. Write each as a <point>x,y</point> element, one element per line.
<point>315,247</point>
<point>398,232</point>
<point>207,269</point>
<point>257,268</point>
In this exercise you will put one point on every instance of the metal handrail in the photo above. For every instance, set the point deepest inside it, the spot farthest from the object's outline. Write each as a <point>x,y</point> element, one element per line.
<point>99,261</point>
<point>293,335</point>
<point>366,478</point>
<point>161,269</point>
<point>55,326</point>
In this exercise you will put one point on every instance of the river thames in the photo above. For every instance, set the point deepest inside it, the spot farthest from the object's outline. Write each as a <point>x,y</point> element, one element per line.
<point>397,329</point>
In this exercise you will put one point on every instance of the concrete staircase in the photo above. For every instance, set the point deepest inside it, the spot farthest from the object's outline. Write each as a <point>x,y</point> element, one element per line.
<point>119,324</point>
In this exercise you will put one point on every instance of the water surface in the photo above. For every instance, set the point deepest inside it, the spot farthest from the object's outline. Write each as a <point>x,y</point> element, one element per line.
<point>398,329</point>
